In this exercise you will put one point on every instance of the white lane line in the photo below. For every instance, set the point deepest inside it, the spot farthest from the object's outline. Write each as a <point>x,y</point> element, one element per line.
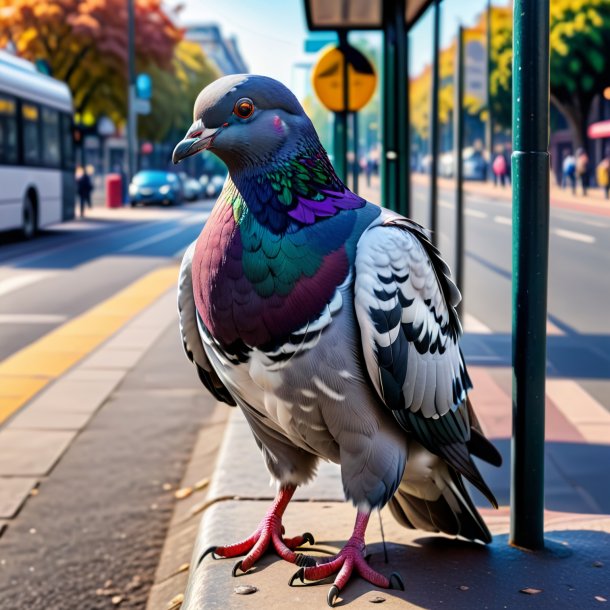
<point>445,204</point>
<point>475,326</point>
<point>588,416</point>
<point>583,221</point>
<point>31,318</point>
<point>19,281</point>
<point>475,213</point>
<point>503,220</point>
<point>582,237</point>
<point>152,239</point>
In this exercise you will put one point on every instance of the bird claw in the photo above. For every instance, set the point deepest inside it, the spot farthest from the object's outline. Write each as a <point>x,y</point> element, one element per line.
<point>298,574</point>
<point>211,550</point>
<point>236,567</point>
<point>399,584</point>
<point>333,593</point>
<point>308,537</point>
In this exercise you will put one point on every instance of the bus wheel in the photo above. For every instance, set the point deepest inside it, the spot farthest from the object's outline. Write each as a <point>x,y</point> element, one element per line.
<point>29,225</point>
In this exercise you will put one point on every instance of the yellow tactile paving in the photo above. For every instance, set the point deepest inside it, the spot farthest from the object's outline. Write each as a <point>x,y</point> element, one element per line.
<point>26,372</point>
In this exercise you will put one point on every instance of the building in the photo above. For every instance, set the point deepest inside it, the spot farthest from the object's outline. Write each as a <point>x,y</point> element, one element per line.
<point>222,52</point>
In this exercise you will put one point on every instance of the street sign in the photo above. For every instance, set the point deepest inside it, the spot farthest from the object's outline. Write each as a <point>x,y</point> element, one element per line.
<point>328,78</point>
<point>141,106</point>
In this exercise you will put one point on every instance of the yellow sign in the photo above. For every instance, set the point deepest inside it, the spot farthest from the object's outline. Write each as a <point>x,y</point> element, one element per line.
<point>328,77</point>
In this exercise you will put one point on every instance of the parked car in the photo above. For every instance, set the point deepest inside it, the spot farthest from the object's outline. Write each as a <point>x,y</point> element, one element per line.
<point>191,188</point>
<point>155,186</point>
<point>214,185</point>
<point>475,165</point>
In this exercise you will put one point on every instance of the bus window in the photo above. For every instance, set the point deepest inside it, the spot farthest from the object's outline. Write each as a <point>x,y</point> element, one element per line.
<point>31,134</point>
<point>51,153</point>
<point>8,130</point>
<point>67,142</point>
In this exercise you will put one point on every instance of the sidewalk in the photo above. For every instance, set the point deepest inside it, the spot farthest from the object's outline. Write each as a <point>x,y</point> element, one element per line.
<point>438,572</point>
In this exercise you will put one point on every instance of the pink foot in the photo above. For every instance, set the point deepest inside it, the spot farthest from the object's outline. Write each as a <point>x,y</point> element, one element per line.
<point>349,559</point>
<point>269,532</point>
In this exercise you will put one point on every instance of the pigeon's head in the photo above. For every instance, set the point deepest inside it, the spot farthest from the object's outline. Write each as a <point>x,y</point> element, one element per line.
<point>246,120</point>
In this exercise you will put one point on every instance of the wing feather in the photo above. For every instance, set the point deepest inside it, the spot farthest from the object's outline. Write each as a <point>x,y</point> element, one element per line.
<point>404,300</point>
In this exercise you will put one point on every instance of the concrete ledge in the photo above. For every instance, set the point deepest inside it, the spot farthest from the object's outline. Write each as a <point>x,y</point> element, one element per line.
<point>439,572</point>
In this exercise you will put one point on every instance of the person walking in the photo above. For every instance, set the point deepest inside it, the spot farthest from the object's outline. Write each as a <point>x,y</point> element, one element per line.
<point>582,169</point>
<point>568,171</point>
<point>602,173</point>
<point>500,169</point>
<point>84,187</point>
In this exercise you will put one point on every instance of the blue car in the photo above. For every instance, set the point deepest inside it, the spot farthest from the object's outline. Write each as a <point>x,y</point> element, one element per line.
<point>155,186</point>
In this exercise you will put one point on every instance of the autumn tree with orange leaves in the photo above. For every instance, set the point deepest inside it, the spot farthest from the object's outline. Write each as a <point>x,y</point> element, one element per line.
<point>85,44</point>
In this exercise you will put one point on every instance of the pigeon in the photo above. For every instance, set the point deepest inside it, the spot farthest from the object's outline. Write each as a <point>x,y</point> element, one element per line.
<point>331,323</point>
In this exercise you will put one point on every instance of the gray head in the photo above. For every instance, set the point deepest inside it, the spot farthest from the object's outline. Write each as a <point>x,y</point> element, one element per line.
<point>246,120</point>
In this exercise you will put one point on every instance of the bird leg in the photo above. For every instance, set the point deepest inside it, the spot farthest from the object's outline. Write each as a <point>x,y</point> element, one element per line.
<point>350,558</point>
<point>269,531</point>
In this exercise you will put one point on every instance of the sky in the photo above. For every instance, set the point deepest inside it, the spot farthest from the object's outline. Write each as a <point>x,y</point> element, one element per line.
<point>272,33</point>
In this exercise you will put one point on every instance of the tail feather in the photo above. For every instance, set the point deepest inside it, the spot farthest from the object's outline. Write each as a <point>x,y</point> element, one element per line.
<point>432,497</point>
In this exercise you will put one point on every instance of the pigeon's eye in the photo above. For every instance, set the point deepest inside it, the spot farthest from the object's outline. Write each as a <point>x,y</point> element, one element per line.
<point>244,108</point>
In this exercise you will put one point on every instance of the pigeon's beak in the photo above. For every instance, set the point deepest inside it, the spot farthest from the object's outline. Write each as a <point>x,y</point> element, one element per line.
<point>198,137</point>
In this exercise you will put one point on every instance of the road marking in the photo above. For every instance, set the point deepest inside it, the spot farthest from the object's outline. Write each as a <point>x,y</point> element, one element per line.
<point>503,220</point>
<point>582,237</point>
<point>475,326</point>
<point>19,281</point>
<point>589,417</point>
<point>31,318</point>
<point>152,239</point>
<point>445,204</point>
<point>26,372</point>
<point>475,213</point>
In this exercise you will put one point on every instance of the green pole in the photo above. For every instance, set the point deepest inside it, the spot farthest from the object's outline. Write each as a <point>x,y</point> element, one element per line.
<point>389,167</point>
<point>459,170</point>
<point>530,170</point>
<point>434,123</point>
<point>341,127</point>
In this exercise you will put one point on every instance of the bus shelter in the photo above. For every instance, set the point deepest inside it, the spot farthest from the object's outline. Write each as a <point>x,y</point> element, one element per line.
<point>530,171</point>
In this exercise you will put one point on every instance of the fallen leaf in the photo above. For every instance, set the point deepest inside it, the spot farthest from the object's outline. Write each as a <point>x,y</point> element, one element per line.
<point>34,492</point>
<point>117,599</point>
<point>185,492</point>
<point>167,486</point>
<point>202,484</point>
<point>377,600</point>
<point>463,588</point>
<point>183,568</point>
<point>245,589</point>
<point>598,564</point>
<point>175,602</point>
<point>599,598</point>
<point>530,591</point>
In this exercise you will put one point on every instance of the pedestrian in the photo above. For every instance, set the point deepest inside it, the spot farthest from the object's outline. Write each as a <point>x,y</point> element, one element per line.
<point>84,186</point>
<point>582,169</point>
<point>568,171</point>
<point>602,173</point>
<point>500,169</point>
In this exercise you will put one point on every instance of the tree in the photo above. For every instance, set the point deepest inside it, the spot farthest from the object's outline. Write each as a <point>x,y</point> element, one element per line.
<point>174,92</point>
<point>580,59</point>
<point>500,79</point>
<point>85,44</point>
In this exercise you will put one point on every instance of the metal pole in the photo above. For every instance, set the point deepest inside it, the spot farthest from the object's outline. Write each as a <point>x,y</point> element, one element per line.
<point>530,170</point>
<point>132,117</point>
<point>490,121</point>
<point>340,132</point>
<point>403,119</point>
<point>434,123</point>
<point>459,173</point>
<point>389,167</point>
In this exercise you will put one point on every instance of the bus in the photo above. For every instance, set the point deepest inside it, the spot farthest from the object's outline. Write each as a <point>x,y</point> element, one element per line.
<point>37,184</point>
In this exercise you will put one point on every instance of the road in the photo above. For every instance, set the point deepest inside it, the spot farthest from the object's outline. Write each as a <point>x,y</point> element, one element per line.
<point>578,294</point>
<point>94,531</point>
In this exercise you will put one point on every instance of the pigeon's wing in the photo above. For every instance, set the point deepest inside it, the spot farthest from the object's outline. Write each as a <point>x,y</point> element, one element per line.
<point>404,300</point>
<point>191,340</point>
